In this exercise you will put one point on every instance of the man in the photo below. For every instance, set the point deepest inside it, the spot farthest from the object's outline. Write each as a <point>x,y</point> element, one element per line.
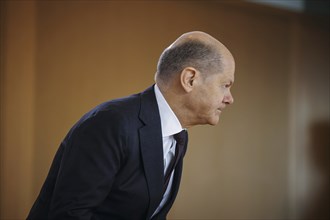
<point>117,162</point>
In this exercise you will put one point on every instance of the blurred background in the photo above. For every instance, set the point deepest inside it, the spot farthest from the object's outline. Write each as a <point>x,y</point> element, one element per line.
<point>267,159</point>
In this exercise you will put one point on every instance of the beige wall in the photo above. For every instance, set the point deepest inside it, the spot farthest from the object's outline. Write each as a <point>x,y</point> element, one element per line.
<point>17,146</point>
<point>59,59</point>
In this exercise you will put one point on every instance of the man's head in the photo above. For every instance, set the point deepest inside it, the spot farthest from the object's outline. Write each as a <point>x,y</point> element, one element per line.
<point>190,52</point>
<point>195,74</point>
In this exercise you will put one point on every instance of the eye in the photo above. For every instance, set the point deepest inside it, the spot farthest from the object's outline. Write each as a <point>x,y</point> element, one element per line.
<point>226,86</point>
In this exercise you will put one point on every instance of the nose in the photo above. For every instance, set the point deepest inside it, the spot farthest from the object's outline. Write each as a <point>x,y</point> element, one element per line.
<point>228,99</point>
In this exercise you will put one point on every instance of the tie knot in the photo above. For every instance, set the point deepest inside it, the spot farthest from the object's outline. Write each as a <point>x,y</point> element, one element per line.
<point>181,137</point>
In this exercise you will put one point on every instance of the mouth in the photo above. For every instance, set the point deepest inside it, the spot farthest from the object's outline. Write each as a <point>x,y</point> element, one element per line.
<point>220,109</point>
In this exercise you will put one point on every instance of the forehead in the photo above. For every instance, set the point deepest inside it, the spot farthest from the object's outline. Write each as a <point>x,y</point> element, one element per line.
<point>227,75</point>
<point>228,72</point>
<point>225,78</point>
<point>220,78</point>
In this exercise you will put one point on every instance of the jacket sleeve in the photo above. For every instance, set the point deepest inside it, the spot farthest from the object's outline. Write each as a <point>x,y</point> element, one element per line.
<point>93,154</point>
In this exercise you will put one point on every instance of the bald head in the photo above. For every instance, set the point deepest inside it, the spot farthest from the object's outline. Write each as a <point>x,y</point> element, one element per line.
<point>193,49</point>
<point>196,36</point>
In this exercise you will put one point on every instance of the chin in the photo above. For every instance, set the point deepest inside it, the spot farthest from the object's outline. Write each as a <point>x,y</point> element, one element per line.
<point>214,121</point>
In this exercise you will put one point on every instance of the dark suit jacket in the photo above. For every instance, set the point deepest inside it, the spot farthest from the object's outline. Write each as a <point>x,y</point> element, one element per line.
<point>109,166</point>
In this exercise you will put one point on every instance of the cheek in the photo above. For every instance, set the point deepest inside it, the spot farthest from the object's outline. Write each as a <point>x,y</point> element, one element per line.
<point>211,104</point>
<point>208,101</point>
<point>216,99</point>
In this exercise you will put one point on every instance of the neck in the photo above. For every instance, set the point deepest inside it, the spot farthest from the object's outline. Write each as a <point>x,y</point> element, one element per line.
<point>175,99</point>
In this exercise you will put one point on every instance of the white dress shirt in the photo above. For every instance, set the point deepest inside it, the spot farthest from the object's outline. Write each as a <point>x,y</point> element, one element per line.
<point>170,125</point>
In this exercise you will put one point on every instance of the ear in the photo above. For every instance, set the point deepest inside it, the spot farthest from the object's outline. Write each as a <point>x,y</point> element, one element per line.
<point>188,77</point>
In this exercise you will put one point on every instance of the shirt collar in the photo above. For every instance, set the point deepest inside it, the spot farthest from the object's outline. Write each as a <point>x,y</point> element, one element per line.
<point>169,122</point>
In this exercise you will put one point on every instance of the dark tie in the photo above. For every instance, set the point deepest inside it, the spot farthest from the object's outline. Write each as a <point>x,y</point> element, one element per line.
<point>181,145</point>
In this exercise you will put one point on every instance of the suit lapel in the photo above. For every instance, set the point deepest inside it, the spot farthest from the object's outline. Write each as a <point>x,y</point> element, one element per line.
<point>152,148</point>
<point>175,187</point>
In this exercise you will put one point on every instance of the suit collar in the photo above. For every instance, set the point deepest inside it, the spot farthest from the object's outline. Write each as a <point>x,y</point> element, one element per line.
<point>149,113</point>
<point>152,154</point>
<point>152,148</point>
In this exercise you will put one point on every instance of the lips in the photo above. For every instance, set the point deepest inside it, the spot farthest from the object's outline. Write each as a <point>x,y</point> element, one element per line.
<point>221,109</point>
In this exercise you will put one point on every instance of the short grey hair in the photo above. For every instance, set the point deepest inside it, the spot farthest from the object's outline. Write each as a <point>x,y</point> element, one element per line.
<point>192,53</point>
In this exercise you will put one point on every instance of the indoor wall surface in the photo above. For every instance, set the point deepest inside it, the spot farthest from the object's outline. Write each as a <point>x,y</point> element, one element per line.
<point>265,159</point>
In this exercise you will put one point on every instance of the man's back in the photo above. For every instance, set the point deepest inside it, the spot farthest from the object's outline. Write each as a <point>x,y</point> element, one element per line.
<point>99,169</point>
